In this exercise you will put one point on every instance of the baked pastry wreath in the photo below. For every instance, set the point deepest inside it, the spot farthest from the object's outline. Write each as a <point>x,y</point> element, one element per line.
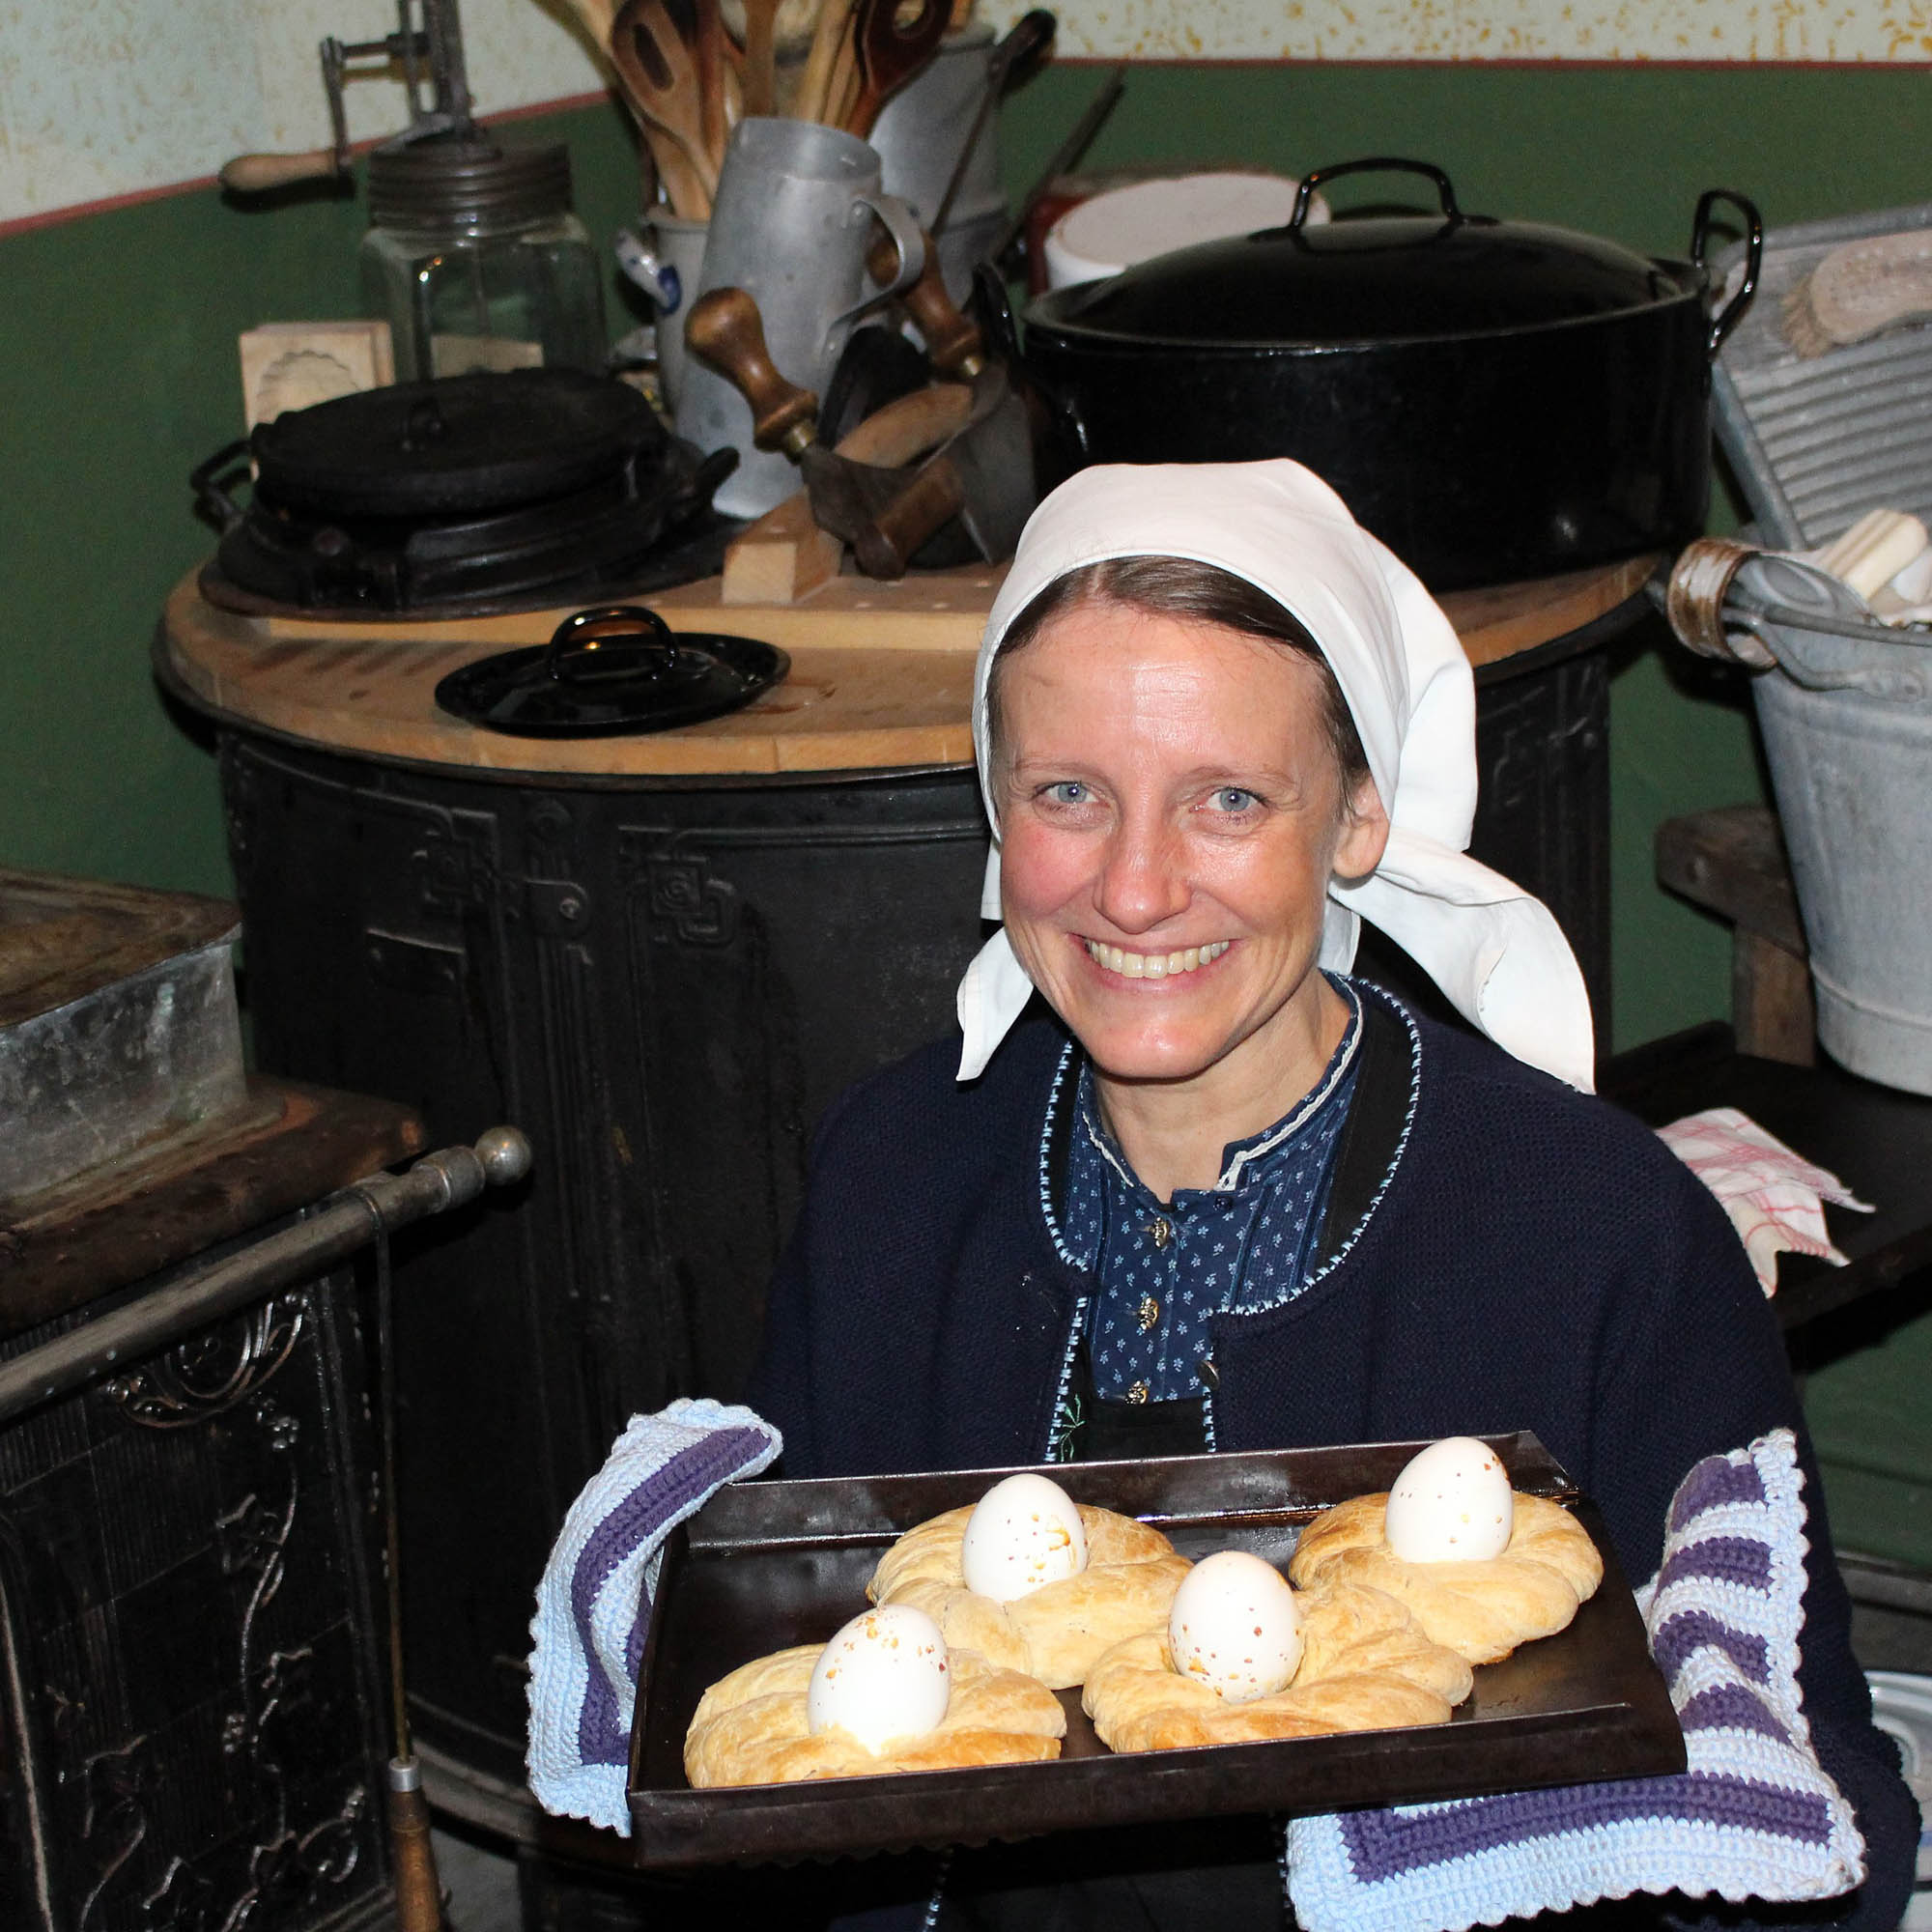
<point>1062,1629</point>
<point>1480,1610</point>
<point>1365,1667</point>
<point>750,1728</point>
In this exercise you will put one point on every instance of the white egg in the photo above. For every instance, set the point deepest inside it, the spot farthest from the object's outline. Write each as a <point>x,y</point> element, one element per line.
<point>1236,1626</point>
<point>1025,1533</point>
<point>883,1676</point>
<point>1452,1504</point>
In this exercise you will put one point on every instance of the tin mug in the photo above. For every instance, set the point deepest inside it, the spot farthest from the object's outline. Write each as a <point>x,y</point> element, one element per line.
<point>790,225</point>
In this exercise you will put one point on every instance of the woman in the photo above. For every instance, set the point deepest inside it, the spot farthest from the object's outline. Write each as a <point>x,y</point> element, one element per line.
<point>1205,1191</point>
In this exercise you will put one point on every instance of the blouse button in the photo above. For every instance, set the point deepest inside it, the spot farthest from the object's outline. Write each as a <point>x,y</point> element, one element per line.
<point>1150,1312</point>
<point>1162,1231</point>
<point>1137,1392</point>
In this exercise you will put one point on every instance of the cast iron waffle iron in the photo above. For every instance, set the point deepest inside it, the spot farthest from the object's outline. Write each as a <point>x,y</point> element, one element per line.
<point>766,1565</point>
<point>461,495</point>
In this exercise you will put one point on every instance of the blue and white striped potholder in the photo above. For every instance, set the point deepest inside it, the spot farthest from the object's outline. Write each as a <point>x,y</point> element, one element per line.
<point>1754,1815</point>
<point>594,1601</point>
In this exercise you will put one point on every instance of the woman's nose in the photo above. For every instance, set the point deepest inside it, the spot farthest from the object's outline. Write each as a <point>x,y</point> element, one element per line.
<point>1142,881</point>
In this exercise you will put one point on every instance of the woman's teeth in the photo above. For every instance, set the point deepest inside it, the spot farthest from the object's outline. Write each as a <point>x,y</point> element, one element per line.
<point>1153,965</point>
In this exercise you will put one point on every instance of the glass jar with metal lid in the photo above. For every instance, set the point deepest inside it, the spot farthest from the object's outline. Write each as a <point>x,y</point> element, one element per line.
<point>474,257</point>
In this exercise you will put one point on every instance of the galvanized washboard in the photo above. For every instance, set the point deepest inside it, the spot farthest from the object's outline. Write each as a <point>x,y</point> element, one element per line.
<point>1816,442</point>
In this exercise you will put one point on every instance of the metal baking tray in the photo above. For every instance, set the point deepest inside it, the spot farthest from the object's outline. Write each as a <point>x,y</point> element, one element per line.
<point>766,1565</point>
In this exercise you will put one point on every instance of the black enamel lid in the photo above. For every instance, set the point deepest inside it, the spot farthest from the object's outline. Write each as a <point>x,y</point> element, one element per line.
<point>619,669</point>
<point>1369,279</point>
<point>458,444</point>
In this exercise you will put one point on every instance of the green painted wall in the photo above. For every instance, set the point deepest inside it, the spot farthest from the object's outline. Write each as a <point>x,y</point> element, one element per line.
<point>118,373</point>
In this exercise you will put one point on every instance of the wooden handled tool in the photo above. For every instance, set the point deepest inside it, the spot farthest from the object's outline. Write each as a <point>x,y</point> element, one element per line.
<point>812,101</point>
<point>726,329</point>
<point>660,78</point>
<point>889,53</point>
<point>254,174</point>
<point>952,343</point>
<point>715,80</point>
<point>784,555</point>
<point>760,55</point>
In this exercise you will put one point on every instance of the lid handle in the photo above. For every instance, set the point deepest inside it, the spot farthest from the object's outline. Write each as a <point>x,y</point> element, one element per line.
<point>1304,195</point>
<point>1732,313</point>
<point>580,646</point>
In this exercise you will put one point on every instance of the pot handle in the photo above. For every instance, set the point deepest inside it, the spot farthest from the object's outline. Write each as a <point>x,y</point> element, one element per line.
<point>211,480</point>
<point>1304,195</point>
<point>645,645</point>
<point>1732,313</point>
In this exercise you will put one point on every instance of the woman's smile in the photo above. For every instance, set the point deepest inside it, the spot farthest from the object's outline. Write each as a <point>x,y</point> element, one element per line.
<point>1131,965</point>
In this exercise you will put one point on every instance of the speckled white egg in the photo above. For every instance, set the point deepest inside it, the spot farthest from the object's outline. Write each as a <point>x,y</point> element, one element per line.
<point>1236,1626</point>
<point>1024,1534</point>
<point>883,1676</point>
<point>1452,1504</point>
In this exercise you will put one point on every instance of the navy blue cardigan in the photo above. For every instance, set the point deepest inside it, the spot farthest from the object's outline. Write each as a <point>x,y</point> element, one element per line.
<point>1499,1253</point>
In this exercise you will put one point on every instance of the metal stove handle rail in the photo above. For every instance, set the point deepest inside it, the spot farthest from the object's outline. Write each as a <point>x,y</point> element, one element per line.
<point>335,1228</point>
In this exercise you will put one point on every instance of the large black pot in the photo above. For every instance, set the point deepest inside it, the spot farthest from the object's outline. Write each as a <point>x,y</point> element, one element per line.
<point>1494,400</point>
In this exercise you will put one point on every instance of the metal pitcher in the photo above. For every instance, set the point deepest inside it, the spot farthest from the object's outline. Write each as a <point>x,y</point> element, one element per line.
<point>793,217</point>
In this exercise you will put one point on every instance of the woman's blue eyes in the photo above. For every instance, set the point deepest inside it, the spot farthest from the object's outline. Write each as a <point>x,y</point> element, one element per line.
<point>1229,799</point>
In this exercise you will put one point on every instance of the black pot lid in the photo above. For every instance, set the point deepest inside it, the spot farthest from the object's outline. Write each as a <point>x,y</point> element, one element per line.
<point>457,443</point>
<point>1370,279</point>
<point>620,669</point>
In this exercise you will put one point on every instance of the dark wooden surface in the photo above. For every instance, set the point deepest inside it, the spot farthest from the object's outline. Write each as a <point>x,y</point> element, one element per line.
<point>62,939</point>
<point>287,1147</point>
<point>1876,1140</point>
<point>1732,861</point>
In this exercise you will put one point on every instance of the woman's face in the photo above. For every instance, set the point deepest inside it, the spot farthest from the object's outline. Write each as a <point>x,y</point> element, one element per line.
<point>1170,813</point>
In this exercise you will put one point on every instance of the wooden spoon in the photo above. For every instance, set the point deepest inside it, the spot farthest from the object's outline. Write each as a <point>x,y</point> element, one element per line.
<point>707,48</point>
<point>661,78</point>
<point>889,53</point>
<point>760,55</point>
<point>813,102</point>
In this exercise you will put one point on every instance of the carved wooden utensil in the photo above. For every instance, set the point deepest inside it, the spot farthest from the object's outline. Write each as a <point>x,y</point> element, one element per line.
<point>813,102</point>
<point>719,103</point>
<point>891,51</point>
<point>760,55</point>
<point>660,78</point>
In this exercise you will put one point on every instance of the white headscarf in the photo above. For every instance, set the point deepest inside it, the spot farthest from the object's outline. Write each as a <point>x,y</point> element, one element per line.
<point>1493,949</point>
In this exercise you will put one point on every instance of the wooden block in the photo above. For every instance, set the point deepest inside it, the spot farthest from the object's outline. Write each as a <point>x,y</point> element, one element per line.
<point>784,558</point>
<point>1771,1003</point>
<point>1732,861</point>
<point>288,365</point>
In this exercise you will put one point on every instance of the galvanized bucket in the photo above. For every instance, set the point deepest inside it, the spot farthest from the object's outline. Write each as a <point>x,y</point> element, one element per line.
<point>1845,706</point>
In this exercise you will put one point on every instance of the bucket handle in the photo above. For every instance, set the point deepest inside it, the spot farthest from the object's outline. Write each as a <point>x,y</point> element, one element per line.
<point>1775,626</point>
<point>1708,615</point>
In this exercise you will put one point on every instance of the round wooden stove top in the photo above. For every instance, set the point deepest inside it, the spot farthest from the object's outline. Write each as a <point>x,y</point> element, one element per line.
<point>881,676</point>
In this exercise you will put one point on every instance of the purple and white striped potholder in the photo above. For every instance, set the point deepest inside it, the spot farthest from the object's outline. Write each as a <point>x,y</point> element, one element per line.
<point>593,1603</point>
<point>1753,1816</point>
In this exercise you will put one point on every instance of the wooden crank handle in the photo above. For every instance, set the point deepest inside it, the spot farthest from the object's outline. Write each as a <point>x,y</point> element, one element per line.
<point>934,496</point>
<point>726,329</point>
<point>256,174</point>
<point>953,342</point>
